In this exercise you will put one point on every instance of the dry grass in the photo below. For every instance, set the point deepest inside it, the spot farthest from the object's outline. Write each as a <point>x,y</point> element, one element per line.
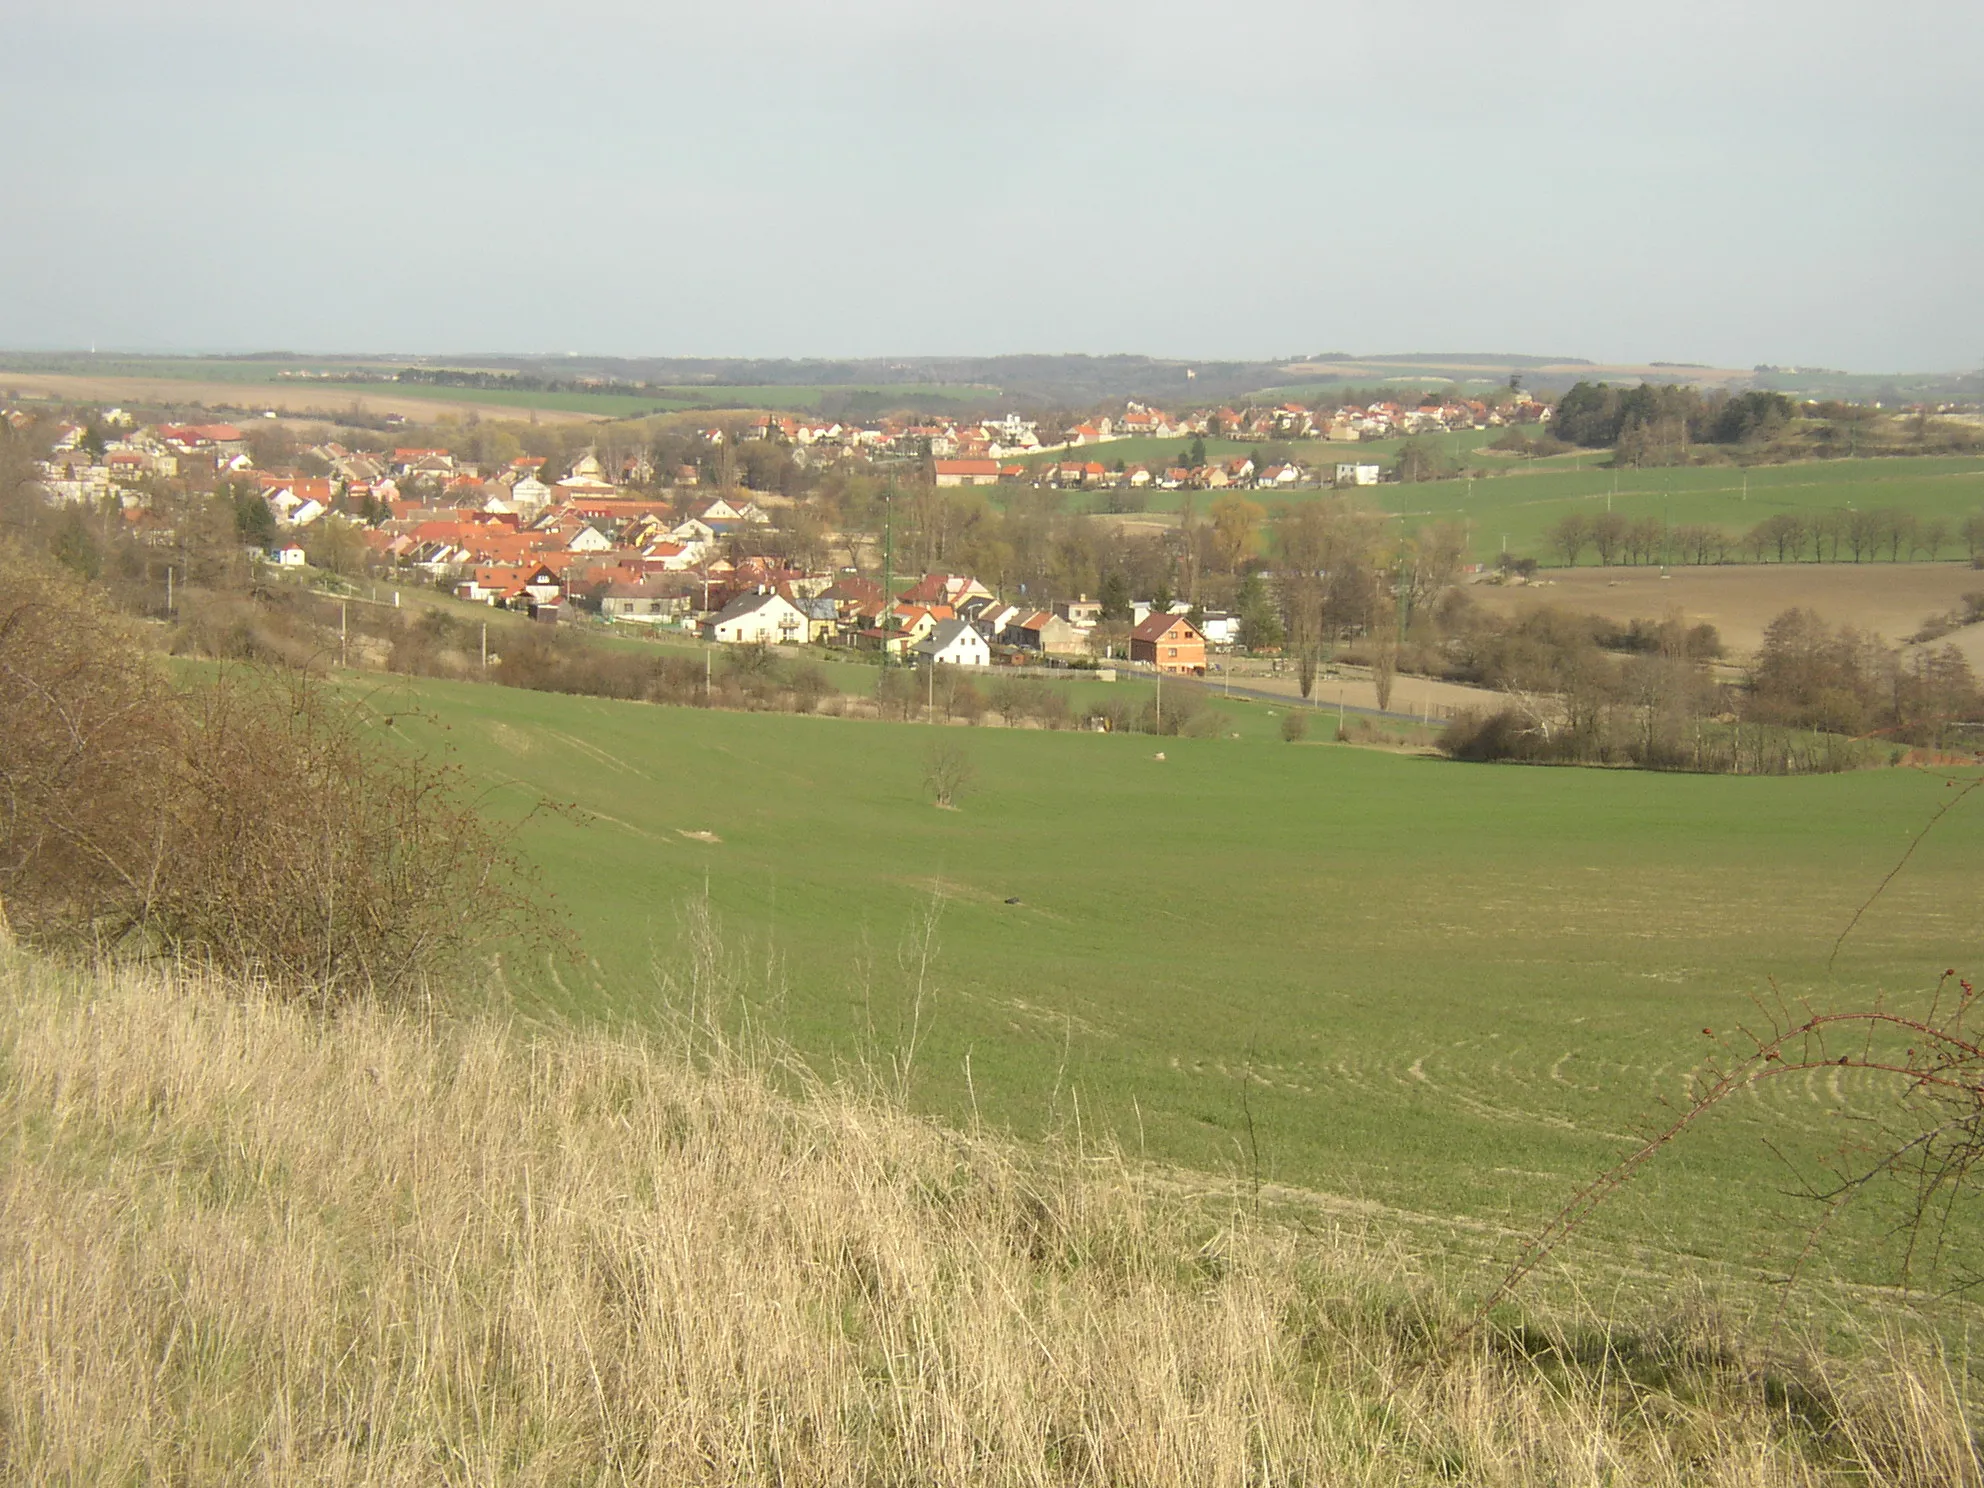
<point>243,1242</point>
<point>320,401</point>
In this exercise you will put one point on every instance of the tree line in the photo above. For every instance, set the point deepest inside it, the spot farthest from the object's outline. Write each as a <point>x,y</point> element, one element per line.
<point>1582,690</point>
<point>1655,425</point>
<point>1834,535</point>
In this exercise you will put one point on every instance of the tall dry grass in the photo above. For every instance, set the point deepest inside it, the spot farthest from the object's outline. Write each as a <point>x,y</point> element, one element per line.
<point>243,1242</point>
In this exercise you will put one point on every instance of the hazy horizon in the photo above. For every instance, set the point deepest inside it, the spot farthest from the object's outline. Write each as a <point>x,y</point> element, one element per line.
<point>1790,185</point>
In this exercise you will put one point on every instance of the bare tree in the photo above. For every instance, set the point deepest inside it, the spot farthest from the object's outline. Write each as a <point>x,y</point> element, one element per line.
<point>1384,646</point>
<point>948,771</point>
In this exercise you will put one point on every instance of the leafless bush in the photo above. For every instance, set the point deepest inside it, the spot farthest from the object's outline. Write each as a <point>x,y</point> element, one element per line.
<point>259,823</point>
<point>808,685</point>
<point>947,770</point>
<point>311,852</point>
<point>1029,700</point>
<point>898,692</point>
<point>1179,707</point>
<point>91,730</point>
<point>254,627</point>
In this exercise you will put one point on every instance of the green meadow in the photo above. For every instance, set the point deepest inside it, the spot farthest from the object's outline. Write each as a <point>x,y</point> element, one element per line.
<point>1445,994</point>
<point>1518,501</point>
<point>1524,503</point>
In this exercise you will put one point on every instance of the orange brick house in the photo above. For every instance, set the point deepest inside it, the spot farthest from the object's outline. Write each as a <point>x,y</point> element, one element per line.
<point>1171,644</point>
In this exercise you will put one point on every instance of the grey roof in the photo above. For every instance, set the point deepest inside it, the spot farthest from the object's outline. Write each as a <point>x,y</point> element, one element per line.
<point>745,604</point>
<point>946,632</point>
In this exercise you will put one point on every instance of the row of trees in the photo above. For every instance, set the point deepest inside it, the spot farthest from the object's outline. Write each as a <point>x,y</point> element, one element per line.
<point>1583,690</point>
<point>1831,536</point>
<point>1343,573</point>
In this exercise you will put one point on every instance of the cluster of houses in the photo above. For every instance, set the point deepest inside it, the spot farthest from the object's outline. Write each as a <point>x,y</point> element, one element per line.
<point>953,620</point>
<point>958,452</point>
<point>965,461</point>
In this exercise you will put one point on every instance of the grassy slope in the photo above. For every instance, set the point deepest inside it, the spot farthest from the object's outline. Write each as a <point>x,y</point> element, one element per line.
<point>1458,990</point>
<point>246,1244</point>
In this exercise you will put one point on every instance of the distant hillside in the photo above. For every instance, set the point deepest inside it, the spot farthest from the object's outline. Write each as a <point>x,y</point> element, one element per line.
<point>865,386</point>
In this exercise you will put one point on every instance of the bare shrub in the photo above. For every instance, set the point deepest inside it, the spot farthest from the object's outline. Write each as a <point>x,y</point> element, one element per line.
<point>948,771</point>
<point>958,695</point>
<point>91,730</point>
<point>310,852</point>
<point>809,685</point>
<point>898,693</point>
<point>1180,707</point>
<point>1481,737</point>
<point>1030,700</point>
<point>1294,726</point>
<point>260,823</point>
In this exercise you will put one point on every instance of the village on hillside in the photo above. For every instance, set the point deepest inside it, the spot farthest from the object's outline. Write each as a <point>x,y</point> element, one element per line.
<point>617,538</point>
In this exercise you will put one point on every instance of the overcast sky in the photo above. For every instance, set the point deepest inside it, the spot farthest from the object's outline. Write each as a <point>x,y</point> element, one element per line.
<point>1715,182</point>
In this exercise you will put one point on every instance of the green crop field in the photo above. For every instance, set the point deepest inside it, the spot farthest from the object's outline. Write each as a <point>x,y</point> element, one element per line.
<point>1456,992</point>
<point>1317,455</point>
<point>1519,502</point>
<point>863,398</point>
<point>793,399</point>
<point>1524,503</point>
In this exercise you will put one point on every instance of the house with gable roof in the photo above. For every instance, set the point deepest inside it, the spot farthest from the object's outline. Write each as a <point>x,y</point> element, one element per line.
<point>1170,643</point>
<point>766,619</point>
<point>954,643</point>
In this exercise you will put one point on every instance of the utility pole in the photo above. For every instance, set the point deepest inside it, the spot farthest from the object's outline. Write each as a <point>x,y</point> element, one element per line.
<point>888,568</point>
<point>485,645</point>
<point>342,607</point>
<point>1160,702</point>
<point>168,591</point>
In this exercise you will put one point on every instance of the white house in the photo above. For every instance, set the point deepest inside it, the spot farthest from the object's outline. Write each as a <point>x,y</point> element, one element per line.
<point>1220,629</point>
<point>757,619</point>
<point>954,643</point>
<point>1358,475</point>
<point>288,556</point>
